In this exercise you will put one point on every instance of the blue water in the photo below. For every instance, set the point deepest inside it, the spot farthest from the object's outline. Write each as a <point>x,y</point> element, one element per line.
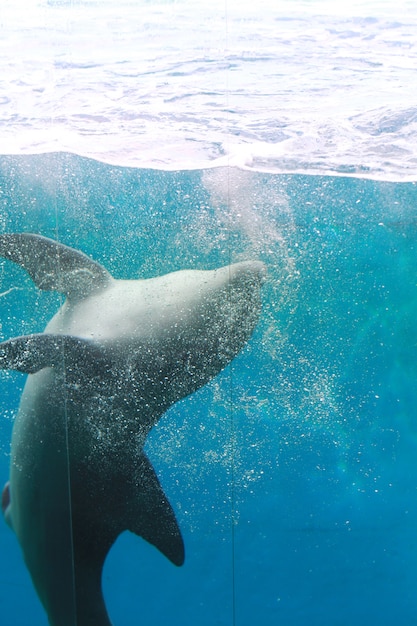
<point>321,478</point>
<point>284,132</point>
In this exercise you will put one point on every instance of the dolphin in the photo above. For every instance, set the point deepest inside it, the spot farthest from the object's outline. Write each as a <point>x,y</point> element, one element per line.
<point>114,358</point>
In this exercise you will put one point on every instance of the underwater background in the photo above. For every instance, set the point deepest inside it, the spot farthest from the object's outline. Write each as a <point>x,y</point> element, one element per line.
<point>157,136</point>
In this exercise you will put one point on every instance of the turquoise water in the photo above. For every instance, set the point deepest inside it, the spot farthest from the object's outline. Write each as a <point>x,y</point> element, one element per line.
<point>292,474</point>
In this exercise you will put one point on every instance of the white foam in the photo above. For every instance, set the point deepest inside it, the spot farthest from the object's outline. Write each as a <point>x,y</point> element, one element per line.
<point>282,86</point>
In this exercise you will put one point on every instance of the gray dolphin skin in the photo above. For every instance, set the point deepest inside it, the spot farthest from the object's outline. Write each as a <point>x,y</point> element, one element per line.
<point>111,361</point>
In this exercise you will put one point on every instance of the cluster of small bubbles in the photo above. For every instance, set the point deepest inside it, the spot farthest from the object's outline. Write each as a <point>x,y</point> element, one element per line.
<point>254,220</point>
<point>249,477</point>
<point>9,414</point>
<point>212,440</point>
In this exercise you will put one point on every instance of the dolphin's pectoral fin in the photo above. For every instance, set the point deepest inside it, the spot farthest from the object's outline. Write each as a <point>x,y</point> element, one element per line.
<point>53,266</point>
<point>150,514</point>
<point>31,353</point>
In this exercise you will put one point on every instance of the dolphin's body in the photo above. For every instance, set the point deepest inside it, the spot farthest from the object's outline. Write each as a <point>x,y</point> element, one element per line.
<point>112,360</point>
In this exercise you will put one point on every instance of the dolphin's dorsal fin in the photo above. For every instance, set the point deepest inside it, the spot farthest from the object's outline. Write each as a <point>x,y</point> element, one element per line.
<point>53,266</point>
<point>149,514</point>
<point>131,499</point>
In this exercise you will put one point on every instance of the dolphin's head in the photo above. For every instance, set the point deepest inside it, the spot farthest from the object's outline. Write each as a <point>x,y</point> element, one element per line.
<point>231,312</point>
<point>220,309</point>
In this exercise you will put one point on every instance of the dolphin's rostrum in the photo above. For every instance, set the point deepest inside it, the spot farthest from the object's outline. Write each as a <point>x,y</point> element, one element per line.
<point>111,361</point>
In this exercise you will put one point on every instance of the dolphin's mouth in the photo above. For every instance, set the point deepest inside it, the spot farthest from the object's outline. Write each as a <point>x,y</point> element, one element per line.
<point>248,272</point>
